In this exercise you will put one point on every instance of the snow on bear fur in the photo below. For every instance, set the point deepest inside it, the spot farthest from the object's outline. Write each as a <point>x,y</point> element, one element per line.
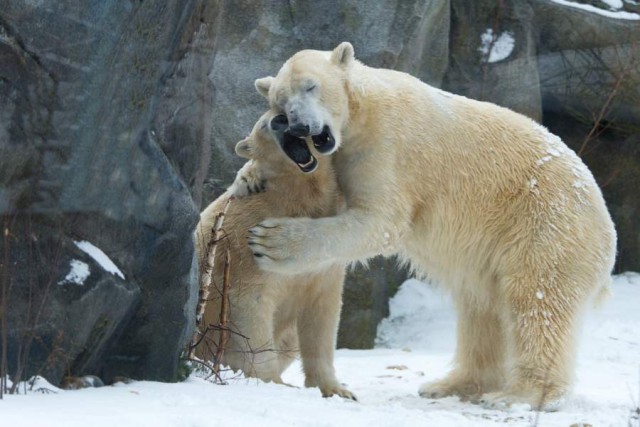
<point>280,316</point>
<point>484,200</point>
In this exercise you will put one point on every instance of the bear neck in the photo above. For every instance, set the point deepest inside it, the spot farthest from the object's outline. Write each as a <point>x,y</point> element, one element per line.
<point>359,86</point>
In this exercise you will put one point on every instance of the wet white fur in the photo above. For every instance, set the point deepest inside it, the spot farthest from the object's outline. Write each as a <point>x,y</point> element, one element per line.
<point>482,199</point>
<point>282,315</point>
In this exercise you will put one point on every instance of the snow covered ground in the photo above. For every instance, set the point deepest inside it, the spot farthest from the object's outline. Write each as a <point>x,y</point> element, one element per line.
<point>420,336</point>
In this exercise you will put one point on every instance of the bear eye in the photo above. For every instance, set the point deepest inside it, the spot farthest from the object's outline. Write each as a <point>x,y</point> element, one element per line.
<point>311,88</point>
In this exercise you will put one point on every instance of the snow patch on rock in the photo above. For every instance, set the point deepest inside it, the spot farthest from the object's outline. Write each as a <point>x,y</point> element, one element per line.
<point>100,257</point>
<point>494,47</point>
<point>609,14</point>
<point>78,273</point>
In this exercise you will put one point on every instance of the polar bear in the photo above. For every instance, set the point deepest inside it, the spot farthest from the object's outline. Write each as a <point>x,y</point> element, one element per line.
<point>481,199</point>
<point>278,314</point>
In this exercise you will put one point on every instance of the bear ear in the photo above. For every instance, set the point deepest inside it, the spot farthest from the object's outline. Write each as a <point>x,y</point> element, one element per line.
<point>343,55</point>
<point>243,148</point>
<point>263,85</point>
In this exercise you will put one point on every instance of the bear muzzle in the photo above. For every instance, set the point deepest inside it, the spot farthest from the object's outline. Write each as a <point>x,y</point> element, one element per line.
<point>324,142</point>
<point>300,130</point>
<point>293,145</point>
<point>298,151</point>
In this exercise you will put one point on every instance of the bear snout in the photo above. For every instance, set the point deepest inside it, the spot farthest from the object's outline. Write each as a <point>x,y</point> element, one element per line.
<point>300,130</point>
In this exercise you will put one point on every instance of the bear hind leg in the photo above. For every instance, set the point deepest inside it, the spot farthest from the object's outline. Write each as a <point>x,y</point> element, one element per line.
<point>542,336</point>
<point>480,353</point>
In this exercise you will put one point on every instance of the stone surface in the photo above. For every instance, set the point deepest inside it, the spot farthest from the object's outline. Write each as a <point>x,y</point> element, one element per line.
<point>104,126</point>
<point>496,70</point>
<point>367,290</point>
<point>582,58</point>
<point>64,308</point>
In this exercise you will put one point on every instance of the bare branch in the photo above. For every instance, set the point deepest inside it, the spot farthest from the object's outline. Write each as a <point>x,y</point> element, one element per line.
<point>224,334</point>
<point>207,275</point>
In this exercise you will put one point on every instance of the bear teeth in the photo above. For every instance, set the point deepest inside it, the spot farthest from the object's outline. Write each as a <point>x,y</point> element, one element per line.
<point>304,165</point>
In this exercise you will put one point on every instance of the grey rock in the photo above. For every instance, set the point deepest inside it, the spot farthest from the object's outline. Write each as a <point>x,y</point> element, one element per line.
<point>367,290</point>
<point>64,309</point>
<point>593,82</point>
<point>563,28</point>
<point>511,81</point>
<point>583,58</point>
<point>104,128</point>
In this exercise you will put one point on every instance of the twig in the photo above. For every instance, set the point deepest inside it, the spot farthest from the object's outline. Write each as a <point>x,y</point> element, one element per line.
<point>224,333</point>
<point>24,349</point>
<point>207,274</point>
<point>603,111</point>
<point>613,175</point>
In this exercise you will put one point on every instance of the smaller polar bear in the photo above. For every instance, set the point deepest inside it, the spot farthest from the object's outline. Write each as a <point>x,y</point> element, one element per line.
<point>485,201</point>
<point>282,316</point>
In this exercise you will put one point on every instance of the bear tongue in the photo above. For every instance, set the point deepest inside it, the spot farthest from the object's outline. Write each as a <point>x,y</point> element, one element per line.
<point>298,151</point>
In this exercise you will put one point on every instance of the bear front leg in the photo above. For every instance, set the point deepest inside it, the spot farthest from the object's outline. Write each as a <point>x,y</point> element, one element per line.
<point>293,245</point>
<point>318,330</point>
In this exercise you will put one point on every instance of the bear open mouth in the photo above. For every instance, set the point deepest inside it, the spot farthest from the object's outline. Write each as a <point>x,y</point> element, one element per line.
<point>324,142</point>
<point>298,151</point>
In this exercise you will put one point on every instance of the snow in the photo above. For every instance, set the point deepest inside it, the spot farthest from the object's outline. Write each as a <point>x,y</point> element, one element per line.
<point>554,152</point>
<point>543,160</point>
<point>613,4</point>
<point>496,48</point>
<point>100,257</point>
<point>415,345</point>
<point>78,274</point>
<point>593,9</point>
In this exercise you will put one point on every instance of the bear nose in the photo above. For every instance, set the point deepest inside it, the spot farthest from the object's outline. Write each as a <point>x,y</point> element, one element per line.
<point>279,123</point>
<point>299,130</point>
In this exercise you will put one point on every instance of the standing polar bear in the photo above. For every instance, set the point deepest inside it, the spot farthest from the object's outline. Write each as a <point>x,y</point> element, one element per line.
<point>483,200</point>
<point>282,316</point>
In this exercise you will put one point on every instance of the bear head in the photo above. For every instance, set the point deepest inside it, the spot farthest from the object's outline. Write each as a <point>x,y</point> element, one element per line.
<point>270,132</point>
<point>310,90</point>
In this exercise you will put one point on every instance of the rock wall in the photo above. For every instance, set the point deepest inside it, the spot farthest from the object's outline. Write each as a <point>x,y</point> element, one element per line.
<point>104,130</point>
<point>118,121</point>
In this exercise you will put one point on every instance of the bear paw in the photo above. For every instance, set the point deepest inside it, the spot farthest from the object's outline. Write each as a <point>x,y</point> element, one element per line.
<point>281,245</point>
<point>247,182</point>
<point>446,387</point>
<point>505,400</point>
<point>339,391</point>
